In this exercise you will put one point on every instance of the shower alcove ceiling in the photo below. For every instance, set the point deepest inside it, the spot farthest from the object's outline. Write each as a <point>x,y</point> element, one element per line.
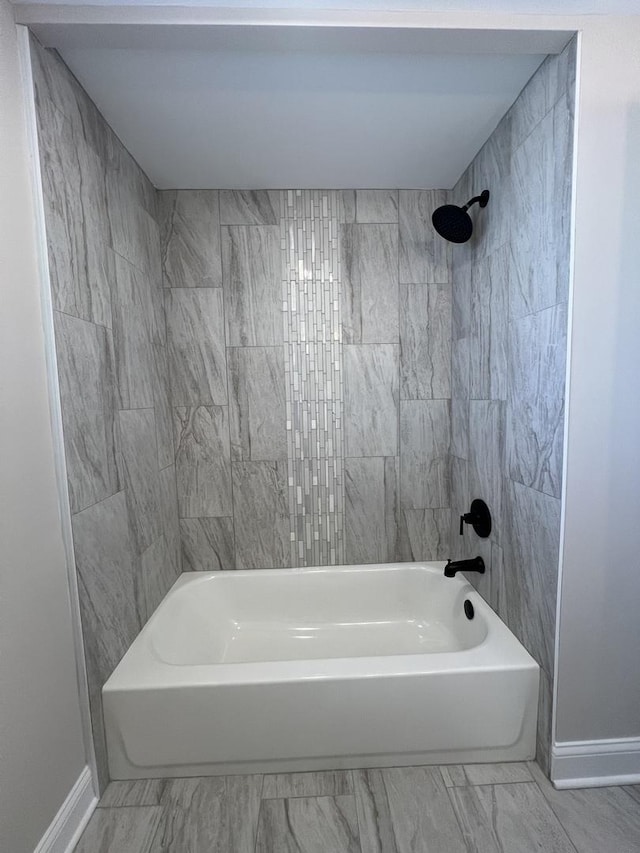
<point>286,365</point>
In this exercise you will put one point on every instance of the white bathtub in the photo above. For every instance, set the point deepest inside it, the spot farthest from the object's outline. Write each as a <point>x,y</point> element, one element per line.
<point>308,669</point>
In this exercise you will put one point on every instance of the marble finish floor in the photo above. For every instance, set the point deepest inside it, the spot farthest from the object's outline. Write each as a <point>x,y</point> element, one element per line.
<point>481,808</point>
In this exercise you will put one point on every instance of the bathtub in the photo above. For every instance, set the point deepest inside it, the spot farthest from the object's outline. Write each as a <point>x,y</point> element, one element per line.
<point>310,669</point>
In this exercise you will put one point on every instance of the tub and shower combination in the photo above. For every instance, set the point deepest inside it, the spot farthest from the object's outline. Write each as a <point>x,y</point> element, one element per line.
<point>310,669</point>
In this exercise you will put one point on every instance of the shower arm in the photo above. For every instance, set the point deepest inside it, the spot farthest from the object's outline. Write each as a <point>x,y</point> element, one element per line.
<point>482,200</point>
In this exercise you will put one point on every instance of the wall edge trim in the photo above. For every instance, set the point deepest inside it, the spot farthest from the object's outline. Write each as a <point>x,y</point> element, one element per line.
<point>73,815</point>
<point>596,763</point>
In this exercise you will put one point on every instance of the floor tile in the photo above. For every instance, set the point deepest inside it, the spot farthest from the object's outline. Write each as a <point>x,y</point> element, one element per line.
<point>329,783</point>
<point>192,794</point>
<point>633,791</point>
<point>139,792</point>
<point>197,830</point>
<point>406,811</point>
<point>126,830</point>
<point>209,815</point>
<point>456,775</point>
<point>514,818</point>
<point>597,820</point>
<point>308,825</point>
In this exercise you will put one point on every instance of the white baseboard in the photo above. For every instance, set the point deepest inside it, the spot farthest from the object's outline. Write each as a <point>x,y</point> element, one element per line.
<point>73,815</point>
<point>596,763</point>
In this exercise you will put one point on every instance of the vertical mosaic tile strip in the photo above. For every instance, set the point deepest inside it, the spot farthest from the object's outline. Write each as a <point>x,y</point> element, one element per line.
<point>313,368</point>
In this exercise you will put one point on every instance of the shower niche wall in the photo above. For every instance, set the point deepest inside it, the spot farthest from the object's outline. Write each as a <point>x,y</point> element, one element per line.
<point>278,378</point>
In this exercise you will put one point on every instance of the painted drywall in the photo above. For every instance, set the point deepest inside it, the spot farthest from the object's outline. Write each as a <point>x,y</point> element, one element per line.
<point>291,118</point>
<point>598,689</point>
<point>41,741</point>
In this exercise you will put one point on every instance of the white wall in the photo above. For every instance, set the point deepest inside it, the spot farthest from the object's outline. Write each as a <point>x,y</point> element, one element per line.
<point>41,742</point>
<point>598,689</point>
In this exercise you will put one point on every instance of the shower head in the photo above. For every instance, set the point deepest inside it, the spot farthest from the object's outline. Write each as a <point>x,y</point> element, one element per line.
<point>453,222</point>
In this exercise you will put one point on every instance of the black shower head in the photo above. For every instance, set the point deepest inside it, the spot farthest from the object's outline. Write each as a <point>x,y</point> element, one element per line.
<point>453,222</point>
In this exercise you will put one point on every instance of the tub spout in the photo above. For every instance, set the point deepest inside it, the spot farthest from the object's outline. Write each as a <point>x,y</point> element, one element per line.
<point>453,566</point>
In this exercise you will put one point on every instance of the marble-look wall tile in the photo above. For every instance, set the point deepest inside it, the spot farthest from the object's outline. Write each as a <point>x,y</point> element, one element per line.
<point>534,283</point>
<point>55,87</point>
<point>169,511</point>
<point>535,408</point>
<point>510,286</point>
<point>371,509</point>
<point>107,566</point>
<point>488,343</point>
<point>347,206</point>
<point>554,78</point>
<point>162,407</point>
<point>531,540</point>
<point>461,299</point>
<point>135,234</point>
<point>424,256</point>
<point>75,214</point>
<point>133,332</point>
<point>106,561</point>
<point>252,281</point>
<point>563,134</point>
<point>491,170</point>
<point>460,546</point>
<point>104,261</point>
<point>190,238</point>
<point>203,461</point>
<point>486,457</point>
<point>88,396</point>
<point>461,368</point>
<point>369,257</point>
<point>207,544</point>
<point>249,207</point>
<point>196,346</point>
<point>139,456</point>
<point>376,206</point>
<point>425,341</point>
<point>257,403</point>
<point>371,391</point>
<point>157,576</point>
<point>424,534</point>
<point>460,427</point>
<point>498,597</point>
<point>424,453</point>
<point>261,515</point>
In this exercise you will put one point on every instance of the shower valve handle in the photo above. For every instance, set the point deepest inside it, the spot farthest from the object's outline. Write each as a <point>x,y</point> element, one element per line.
<point>467,518</point>
<point>479,518</point>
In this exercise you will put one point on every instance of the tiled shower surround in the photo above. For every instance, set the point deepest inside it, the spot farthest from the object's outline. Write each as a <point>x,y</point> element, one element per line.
<point>257,379</point>
<point>106,288</point>
<point>309,364</point>
<point>510,292</point>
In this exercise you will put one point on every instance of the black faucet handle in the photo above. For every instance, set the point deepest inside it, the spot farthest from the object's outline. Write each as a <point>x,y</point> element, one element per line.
<point>467,518</point>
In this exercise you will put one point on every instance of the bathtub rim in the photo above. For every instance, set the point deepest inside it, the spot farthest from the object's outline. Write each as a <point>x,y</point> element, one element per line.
<point>141,669</point>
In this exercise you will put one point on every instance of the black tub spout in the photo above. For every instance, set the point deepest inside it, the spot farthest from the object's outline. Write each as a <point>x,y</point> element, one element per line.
<point>453,566</point>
